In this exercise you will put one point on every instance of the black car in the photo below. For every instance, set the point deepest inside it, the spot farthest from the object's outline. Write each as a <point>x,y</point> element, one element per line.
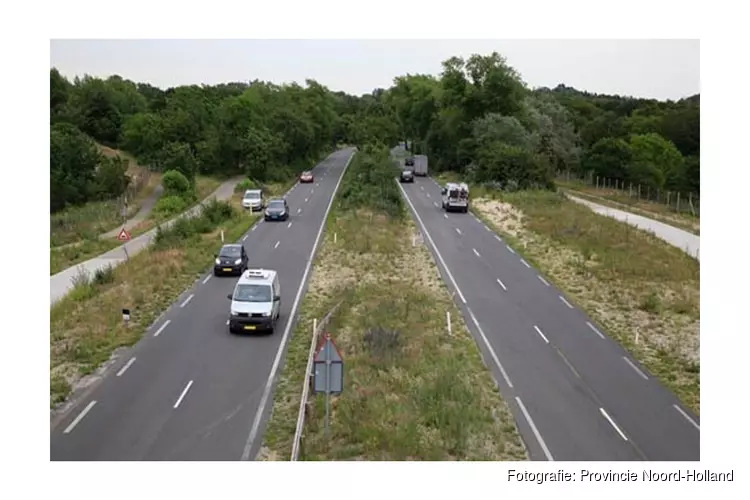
<point>231,259</point>
<point>277,209</point>
<point>409,161</point>
<point>407,176</point>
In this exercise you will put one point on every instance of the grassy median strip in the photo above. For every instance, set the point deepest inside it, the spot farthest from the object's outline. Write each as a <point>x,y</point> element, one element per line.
<point>413,390</point>
<point>87,325</point>
<point>633,283</point>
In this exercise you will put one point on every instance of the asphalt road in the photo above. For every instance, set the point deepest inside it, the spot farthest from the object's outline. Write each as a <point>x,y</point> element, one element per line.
<point>575,393</point>
<point>190,390</point>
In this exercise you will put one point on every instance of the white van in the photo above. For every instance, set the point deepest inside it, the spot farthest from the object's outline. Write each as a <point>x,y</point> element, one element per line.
<point>253,200</point>
<point>256,301</point>
<point>455,197</point>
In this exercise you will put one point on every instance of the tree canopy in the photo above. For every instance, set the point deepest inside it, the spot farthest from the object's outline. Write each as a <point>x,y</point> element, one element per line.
<point>477,117</point>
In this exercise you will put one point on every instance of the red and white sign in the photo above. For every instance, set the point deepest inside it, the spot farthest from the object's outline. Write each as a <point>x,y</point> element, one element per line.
<point>124,235</point>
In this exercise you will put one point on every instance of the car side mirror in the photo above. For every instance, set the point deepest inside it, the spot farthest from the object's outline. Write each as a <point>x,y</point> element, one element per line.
<point>229,296</point>
<point>276,298</point>
<point>442,191</point>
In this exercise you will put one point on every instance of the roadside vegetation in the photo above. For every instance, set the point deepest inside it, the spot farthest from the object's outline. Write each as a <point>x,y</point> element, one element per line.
<point>86,326</point>
<point>412,390</point>
<point>617,199</point>
<point>631,282</point>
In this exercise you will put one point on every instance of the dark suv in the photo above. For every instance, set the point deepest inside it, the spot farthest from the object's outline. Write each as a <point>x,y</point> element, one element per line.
<point>407,175</point>
<point>409,162</point>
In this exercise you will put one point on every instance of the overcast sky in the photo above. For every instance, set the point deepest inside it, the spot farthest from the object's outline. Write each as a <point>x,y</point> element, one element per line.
<point>661,69</point>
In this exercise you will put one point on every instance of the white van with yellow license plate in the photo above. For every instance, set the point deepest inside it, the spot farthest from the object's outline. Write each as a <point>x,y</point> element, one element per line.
<point>255,301</point>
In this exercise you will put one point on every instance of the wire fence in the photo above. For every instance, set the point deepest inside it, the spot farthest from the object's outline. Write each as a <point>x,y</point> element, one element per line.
<point>631,193</point>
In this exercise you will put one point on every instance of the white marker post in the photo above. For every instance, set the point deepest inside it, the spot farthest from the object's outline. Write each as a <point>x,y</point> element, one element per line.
<point>448,321</point>
<point>334,237</point>
<point>126,317</point>
<point>222,236</point>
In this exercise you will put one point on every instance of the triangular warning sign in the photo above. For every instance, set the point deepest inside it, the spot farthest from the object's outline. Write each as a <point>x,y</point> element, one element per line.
<point>124,235</point>
<point>328,351</point>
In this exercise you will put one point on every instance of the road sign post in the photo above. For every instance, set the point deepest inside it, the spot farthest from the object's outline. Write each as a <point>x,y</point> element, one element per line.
<point>329,373</point>
<point>124,236</point>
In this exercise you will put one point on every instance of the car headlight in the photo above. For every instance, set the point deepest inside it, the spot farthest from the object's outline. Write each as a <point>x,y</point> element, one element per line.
<point>282,212</point>
<point>267,213</point>
<point>265,315</point>
<point>218,261</point>
<point>237,262</point>
<point>233,313</point>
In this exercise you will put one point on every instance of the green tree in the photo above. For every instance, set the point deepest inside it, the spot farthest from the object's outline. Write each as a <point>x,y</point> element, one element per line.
<point>179,157</point>
<point>610,158</point>
<point>656,162</point>
<point>74,158</point>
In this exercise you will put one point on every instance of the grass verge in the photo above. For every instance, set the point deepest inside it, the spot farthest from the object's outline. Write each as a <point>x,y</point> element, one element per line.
<point>616,199</point>
<point>92,245</point>
<point>86,325</point>
<point>628,280</point>
<point>412,391</point>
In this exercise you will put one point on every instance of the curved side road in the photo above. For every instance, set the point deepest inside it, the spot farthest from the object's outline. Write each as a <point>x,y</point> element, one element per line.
<point>578,394</point>
<point>62,282</point>
<point>190,390</point>
<point>140,216</point>
<point>688,242</point>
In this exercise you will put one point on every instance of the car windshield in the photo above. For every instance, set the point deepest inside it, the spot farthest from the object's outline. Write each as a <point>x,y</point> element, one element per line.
<point>306,173</point>
<point>252,293</point>
<point>252,196</point>
<point>230,252</point>
<point>278,204</point>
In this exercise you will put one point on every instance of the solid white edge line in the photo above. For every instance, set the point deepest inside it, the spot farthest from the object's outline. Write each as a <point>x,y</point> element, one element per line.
<point>162,327</point>
<point>593,328</point>
<point>566,302</point>
<point>489,348</point>
<point>78,419</point>
<point>540,333</point>
<point>277,360</point>
<point>543,280</point>
<point>184,392</point>
<point>501,284</point>
<point>498,238</point>
<point>487,227</point>
<point>687,417</point>
<point>207,278</point>
<point>127,365</point>
<point>245,237</point>
<point>277,244</point>
<point>187,300</point>
<point>613,424</point>
<point>637,370</point>
<point>434,247</point>
<point>476,253</point>
<point>525,263</point>
<point>510,249</point>
<point>534,430</point>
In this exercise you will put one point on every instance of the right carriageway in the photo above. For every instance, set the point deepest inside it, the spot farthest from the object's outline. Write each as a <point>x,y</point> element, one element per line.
<point>576,394</point>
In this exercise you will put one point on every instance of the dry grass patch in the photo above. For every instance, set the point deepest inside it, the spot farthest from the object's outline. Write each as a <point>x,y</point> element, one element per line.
<point>630,281</point>
<point>86,326</point>
<point>412,392</point>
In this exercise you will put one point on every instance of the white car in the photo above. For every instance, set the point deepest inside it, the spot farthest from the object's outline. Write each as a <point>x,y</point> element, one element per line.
<point>253,200</point>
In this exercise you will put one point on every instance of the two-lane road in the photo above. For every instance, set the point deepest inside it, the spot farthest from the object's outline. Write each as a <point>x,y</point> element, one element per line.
<point>578,395</point>
<point>190,390</point>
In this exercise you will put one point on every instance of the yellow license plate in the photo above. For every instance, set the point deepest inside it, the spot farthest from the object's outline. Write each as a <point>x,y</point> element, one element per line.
<point>228,269</point>
<point>249,327</point>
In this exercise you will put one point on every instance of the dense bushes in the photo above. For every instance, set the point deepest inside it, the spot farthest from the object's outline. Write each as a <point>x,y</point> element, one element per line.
<point>370,183</point>
<point>178,194</point>
<point>211,215</point>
